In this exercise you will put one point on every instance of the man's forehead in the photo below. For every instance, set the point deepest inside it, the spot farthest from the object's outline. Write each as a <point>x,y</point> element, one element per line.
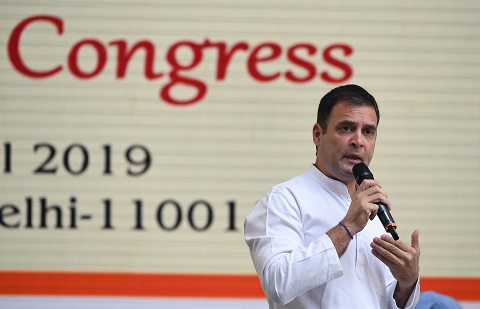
<point>345,112</point>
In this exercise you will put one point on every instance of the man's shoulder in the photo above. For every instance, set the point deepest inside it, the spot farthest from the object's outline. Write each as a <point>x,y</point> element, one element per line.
<point>297,183</point>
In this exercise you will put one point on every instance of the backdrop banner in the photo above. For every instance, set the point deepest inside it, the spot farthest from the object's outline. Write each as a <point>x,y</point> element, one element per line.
<point>136,136</point>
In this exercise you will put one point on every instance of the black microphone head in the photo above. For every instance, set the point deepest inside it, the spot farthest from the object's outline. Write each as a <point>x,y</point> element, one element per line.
<point>361,172</point>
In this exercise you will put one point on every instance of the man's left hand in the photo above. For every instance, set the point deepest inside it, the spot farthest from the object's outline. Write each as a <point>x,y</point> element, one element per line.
<point>401,258</point>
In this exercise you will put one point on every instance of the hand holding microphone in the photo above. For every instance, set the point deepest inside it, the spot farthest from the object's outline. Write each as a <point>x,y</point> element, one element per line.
<point>361,172</point>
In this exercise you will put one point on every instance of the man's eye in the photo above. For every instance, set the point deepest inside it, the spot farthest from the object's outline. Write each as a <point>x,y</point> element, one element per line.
<point>346,129</point>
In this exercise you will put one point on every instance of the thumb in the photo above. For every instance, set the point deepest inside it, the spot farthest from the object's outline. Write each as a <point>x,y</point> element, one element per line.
<point>415,243</point>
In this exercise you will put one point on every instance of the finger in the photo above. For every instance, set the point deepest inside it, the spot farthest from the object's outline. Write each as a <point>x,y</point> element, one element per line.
<point>369,183</point>
<point>371,187</point>
<point>385,242</point>
<point>396,243</point>
<point>380,198</point>
<point>400,249</point>
<point>373,211</point>
<point>382,258</point>
<point>383,254</point>
<point>415,242</point>
<point>387,249</point>
<point>397,248</point>
<point>376,194</point>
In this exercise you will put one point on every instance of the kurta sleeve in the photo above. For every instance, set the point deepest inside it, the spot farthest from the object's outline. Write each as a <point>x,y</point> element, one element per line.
<point>412,300</point>
<point>286,267</point>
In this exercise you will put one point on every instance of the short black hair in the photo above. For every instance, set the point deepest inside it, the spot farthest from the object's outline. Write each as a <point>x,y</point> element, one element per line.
<point>349,94</point>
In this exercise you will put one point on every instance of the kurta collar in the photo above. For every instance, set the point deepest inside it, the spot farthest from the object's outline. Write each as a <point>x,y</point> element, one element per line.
<point>328,183</point>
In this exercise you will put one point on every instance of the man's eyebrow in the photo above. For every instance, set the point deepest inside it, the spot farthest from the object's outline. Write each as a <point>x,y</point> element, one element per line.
<point>353,123</point>
<point>371,127</point>
<point>346,123</point>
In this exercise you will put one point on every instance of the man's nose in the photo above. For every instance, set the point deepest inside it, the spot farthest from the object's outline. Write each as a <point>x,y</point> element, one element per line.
<point>357,139</point>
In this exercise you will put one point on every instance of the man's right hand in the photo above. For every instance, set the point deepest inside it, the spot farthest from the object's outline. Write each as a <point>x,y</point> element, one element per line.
<point>363,205</point>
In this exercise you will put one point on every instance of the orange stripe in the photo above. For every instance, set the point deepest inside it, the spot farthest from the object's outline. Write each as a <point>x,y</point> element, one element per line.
<point>128,284</point>
<point>178,285</point>
<point>463,289</point>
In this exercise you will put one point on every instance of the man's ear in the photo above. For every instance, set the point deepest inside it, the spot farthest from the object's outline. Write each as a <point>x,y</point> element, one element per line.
<point>316,134</point>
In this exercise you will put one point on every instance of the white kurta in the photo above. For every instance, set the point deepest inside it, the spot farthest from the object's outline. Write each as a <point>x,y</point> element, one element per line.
<point>296,261</point>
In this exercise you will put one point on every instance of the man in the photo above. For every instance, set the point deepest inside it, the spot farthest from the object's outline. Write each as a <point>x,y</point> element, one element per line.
<point>315,240</point>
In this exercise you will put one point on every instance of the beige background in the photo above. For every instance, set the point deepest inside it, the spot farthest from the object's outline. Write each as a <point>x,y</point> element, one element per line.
<point>419,59</point>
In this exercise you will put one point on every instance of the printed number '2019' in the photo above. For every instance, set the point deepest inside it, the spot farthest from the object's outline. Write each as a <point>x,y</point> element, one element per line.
<point>76,159</point>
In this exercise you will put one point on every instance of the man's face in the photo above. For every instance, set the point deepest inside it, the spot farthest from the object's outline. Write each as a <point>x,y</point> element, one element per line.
<point>350,139</point>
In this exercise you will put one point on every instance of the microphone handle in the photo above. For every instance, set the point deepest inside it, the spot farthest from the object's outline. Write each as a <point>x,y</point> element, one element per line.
<point>387,220</point>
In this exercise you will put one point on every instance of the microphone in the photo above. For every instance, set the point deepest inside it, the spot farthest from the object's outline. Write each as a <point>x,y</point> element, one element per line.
<point>361,172</point>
